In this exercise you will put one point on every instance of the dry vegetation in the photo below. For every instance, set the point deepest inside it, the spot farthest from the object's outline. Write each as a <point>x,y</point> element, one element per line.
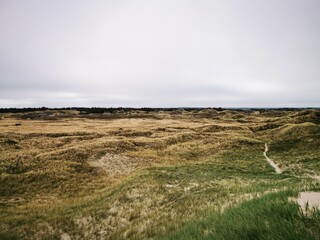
<point>144,174</point>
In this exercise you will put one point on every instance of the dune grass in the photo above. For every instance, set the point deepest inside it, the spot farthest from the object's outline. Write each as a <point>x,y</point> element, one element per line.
<point>170,172</point>
<point>269,217</point>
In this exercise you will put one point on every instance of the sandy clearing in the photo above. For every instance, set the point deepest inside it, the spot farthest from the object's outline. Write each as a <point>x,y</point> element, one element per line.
<point>114,164</point>
<point>309,200</point>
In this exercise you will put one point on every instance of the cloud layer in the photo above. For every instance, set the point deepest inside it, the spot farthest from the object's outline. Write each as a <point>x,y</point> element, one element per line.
<point>159,53</point>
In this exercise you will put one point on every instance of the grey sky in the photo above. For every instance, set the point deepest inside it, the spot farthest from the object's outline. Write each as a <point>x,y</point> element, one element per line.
<point>160,53</point>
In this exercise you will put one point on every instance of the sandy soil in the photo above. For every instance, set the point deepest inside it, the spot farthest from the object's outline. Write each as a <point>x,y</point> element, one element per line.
<point>271,162</point>
<point>309,200</point>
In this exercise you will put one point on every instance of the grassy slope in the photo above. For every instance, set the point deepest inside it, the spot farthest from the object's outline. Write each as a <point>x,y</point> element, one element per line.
<point>268,217</point>
<point>199,164</point>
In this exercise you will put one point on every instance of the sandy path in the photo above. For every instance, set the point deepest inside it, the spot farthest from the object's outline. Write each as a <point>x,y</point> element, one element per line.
<point>277,169</point>
<point>271,162</point>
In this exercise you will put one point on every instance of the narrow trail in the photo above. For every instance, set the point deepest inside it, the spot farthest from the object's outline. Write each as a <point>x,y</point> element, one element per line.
<point>271,162</point>
<point>279,170</point>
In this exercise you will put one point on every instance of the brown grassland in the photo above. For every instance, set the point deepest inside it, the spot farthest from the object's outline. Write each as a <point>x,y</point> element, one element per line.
<point>146,175</point>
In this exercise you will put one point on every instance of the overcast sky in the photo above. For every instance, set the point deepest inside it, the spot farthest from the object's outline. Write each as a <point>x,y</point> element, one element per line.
<point>160,53</point>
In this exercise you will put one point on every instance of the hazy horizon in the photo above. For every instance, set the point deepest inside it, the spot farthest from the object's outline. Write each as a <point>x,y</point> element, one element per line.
<point>235,54</point>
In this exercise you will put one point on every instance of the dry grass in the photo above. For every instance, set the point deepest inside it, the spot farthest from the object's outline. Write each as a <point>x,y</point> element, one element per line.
<point>136,174</point>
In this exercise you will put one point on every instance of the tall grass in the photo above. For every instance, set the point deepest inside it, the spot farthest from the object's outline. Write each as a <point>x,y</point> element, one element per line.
<point>270,217</point>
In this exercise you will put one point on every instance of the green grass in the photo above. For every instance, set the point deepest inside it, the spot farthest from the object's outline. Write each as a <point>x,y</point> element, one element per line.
<point>270,217</point>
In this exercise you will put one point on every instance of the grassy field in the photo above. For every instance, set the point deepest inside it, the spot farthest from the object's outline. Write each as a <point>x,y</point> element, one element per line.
<point>197,174</point>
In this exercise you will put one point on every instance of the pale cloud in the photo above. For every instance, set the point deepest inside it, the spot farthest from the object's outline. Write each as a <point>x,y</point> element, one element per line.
<point>160,53</point>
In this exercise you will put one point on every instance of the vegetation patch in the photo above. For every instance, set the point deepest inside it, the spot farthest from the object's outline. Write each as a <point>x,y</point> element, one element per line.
<point>148,174</point>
